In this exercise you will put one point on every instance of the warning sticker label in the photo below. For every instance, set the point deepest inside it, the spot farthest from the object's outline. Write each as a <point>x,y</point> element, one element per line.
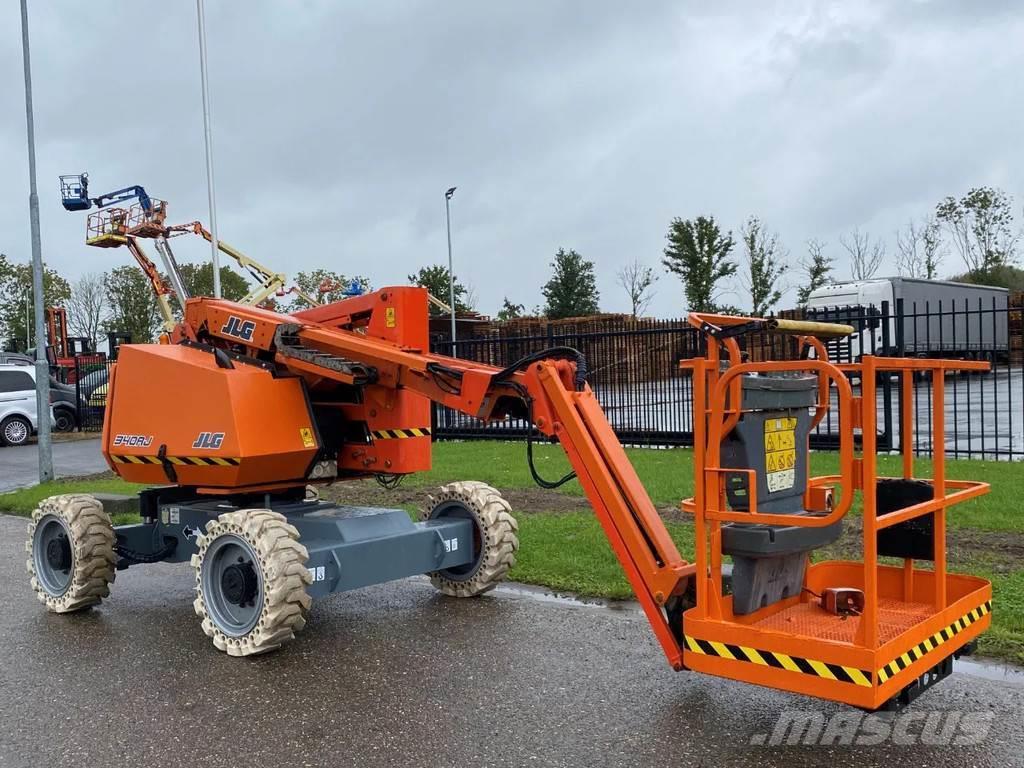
<point>780,453</point>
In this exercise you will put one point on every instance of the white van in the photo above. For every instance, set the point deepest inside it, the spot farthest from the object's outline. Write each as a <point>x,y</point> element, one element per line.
<point>18,420</point>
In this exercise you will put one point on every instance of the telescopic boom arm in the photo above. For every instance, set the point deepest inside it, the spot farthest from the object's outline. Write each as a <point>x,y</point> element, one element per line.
<point>547,389</point>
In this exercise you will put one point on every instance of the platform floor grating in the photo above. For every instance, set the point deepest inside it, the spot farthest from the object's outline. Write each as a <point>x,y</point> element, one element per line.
<point>810,620</point>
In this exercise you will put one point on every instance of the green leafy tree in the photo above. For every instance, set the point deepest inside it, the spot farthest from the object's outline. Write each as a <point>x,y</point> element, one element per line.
<point>198,279</point>
<point>816,268</point>
<point>572,289</point>
<point>131,304</point>
<point>1005,276</point>
<point>510,311</point>
<point>16,298</point>
<point>698,253</point>
<point>764,266</point>
<point>980,225</point>
<point>327,286</point>
<point>435,279</point>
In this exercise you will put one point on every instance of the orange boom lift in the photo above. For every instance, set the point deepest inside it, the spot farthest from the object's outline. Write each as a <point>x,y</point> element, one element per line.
<point>245,408</point>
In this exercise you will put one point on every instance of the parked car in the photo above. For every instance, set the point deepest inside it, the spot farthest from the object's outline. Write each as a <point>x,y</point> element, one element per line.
<point>15,358</point>
<point>18,421</point>
<point>66,406</point>
<point>91,381</point>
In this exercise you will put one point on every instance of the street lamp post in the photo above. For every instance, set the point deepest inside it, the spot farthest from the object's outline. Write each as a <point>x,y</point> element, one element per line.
<point>208,138</point>
<point>42,364</point>
<point>451,270</point>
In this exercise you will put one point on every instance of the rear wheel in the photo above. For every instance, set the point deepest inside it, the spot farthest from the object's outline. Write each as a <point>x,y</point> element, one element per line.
<point>64,420</point>
<point>494,537</point>
<point>71,552</point>
<point>251,582</point>
<point>15,430</point>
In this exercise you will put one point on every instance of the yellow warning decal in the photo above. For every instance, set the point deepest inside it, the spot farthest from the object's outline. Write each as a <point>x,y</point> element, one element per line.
<point>308,440</point>
<point>780,453</point>
<point>929,644</point>
<point>763,658</point>
<point>400,434</point>
<point>180,461</point>
<point>390,319</point>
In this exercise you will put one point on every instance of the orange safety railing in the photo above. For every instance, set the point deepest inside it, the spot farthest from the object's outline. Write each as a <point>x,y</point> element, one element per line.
<point>109,221</point>
<point>717,410</point>
<point>143,223</point>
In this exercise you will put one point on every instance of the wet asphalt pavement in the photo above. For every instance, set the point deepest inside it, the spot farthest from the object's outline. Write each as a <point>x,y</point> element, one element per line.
<point>19,466</point>
<point>398,675</point>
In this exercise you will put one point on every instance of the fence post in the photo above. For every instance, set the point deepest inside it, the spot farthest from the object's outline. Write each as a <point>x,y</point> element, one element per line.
<point>887,440</point>
<point>900,351</point>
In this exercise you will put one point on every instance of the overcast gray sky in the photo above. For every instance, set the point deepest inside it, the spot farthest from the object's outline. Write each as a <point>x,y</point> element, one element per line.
<point>586,125</point>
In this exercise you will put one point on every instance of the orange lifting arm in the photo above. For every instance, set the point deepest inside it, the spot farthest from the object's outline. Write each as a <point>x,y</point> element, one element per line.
<point>557,405</point>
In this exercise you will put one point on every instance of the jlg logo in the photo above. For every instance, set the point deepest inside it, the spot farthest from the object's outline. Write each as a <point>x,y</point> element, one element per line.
<point>209,440</point>
<point>240,329</point>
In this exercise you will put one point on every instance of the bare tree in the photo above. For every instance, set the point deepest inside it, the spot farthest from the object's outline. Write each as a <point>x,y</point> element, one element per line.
<point>865,256</point>
<point>817,267</point>
<point>471,295</point>
<point>87,307</point>
<point>638,280</point>
<point>765,265</point>
<point>919,249</point>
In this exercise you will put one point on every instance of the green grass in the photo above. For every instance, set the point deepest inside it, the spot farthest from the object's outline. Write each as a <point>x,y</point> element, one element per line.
<point>668,476</point>
<point>23,501</point>
<point>568,552</point>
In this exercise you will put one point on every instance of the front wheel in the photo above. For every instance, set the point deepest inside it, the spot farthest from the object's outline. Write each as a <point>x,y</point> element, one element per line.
<point>251,582</point>
<point>70,552</point>
<point>495,540</point>
<point>15,430</point>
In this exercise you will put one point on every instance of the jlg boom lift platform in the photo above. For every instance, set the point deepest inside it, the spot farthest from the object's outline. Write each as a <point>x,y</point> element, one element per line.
<point>244,408</point>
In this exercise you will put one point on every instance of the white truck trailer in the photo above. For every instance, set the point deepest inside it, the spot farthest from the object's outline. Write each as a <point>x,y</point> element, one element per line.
<point>939,318</point>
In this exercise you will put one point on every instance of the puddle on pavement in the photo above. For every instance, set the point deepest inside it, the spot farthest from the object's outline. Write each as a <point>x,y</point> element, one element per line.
<point>989,670</point>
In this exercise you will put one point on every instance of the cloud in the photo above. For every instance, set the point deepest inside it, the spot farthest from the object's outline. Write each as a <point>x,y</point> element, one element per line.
<point>337,128</point>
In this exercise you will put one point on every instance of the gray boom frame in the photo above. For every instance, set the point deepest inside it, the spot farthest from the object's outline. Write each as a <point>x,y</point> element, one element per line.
<point>349,547</point>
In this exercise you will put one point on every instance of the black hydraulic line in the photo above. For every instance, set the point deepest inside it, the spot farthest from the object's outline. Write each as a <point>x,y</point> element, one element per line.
<point>546,354</point>
<point>132,556</point>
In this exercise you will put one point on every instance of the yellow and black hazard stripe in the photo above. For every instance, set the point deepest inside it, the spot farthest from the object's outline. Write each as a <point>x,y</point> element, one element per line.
<point>822,669</point>
<point>181,461</point>
<point>928,645</point>
<point>400,434</point>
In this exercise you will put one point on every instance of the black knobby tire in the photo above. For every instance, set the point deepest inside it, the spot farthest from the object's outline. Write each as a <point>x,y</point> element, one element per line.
<point>84,579</point>
<point>496,540</point>
<point>279,560</point>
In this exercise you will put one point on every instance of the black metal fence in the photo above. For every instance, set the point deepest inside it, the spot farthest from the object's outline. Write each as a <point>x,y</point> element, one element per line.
<point>648,399</point>
<point>634,371</point>
<point>90,378</point>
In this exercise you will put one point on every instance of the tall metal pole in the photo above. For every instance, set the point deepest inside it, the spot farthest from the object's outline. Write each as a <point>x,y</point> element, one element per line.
<point>210,191</point>
<point>451,270</point>
<point>42,364</point>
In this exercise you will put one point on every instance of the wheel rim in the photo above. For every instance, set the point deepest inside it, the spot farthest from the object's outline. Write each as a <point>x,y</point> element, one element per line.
<point>64,422</point>
<point>232,583</point>
<point>15,432</point>
<point>454,508</point>
<point>52,555</point>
